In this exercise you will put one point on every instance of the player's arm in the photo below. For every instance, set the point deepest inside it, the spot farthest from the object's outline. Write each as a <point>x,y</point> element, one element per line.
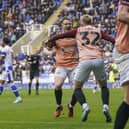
<point>27,65</point>
<point>1,58</point>
<point>48,51</point>
<point>68,34</point>
<point>37,59</point>
<point>107,37</point>
<point>28,60</point>
<point>123,13</point>
<point>13,55</point>
<point>2,55</point>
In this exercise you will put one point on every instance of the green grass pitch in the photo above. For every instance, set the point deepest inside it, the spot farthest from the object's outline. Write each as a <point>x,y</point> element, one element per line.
<point>37,112</point>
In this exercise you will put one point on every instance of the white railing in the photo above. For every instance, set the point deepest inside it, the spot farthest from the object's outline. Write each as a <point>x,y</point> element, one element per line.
<point>34,27</point>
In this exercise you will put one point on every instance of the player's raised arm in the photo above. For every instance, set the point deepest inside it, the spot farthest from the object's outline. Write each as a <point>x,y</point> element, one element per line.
<point>67,34</point>
<point>49,52</point>
<point>123,12</point>
<point>107,37</point>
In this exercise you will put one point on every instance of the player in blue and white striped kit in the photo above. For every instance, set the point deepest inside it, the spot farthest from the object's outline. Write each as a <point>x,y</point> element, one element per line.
<point>6,58</point>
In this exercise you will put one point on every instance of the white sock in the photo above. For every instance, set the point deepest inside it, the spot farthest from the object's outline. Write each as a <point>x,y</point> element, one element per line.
<point>105,107</point>
<point>59,105</point>
<point>85,106</point>
<point>70,105</point>
<point>18,97</point>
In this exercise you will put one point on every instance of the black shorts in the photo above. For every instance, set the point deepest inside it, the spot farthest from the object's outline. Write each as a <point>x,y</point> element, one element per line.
<point>34,73</point>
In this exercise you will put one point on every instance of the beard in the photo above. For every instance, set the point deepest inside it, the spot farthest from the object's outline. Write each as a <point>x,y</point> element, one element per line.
<point>68,28</point>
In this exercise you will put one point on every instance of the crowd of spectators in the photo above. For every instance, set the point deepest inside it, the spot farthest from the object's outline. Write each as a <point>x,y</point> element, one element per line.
<point>103,12</point>
<point>16,15</point>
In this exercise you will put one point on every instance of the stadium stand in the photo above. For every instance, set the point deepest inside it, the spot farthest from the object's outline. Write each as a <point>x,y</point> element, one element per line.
<point>103,12</point>
<point>17,16</point>
<point>41,36</point>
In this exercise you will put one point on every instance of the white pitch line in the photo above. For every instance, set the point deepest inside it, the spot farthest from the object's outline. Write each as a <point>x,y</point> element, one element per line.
<point>57,122</point>
<point>41,122</point>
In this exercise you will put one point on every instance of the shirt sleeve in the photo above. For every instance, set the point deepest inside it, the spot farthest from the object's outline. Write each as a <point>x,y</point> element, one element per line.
<point>124,2</point>
<point>107,37</point>
<point>3,53</point>
<point>29,58</point>
<point>68,34</point>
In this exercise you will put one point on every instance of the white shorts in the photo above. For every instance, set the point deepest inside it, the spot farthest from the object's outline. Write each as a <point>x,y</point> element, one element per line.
<point>122,61</point>
<point>86,66</point>
<point>64,72</point>
<point>7,75</point>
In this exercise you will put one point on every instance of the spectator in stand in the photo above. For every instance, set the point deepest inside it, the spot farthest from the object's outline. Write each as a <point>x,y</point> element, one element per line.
<point>102,11</point>
<point>16,13</point>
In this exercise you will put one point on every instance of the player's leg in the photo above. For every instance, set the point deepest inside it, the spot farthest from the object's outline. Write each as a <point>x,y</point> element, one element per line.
<point>105,99</point>
<point>73,100</point>
<point>100,75</point>
<point>71,106</point>
<point>80,97</point>
<point>60,75</point>
<point>1,86</point>
<point>30,82</point>
<point>81,75</point>
<point>15,92</point>
<point>13,87</point>
<point>37,82</point>
<point>122,114</point>
<point>2,81</point>
<point>37,85</point>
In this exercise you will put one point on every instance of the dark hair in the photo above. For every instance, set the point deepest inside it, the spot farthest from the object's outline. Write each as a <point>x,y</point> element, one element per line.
<point>6,40</point>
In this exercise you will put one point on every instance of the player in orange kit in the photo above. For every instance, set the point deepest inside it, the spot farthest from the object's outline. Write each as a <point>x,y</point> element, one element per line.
<point>66,62</point>
<point>121,56</point>
<point>90,59</point>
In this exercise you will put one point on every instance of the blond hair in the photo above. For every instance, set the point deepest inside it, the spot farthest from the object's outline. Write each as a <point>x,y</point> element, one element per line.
<point>86,19</point>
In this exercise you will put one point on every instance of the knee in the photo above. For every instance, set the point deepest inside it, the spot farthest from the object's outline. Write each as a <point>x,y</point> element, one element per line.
<point>58,86</point>
<point>30,81</point>
<point>59,83</point>
<point>102,83</point>
<point>126,98</point>
<point>126,92</point>
<point>37,81</point>
<point>78,85</point>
